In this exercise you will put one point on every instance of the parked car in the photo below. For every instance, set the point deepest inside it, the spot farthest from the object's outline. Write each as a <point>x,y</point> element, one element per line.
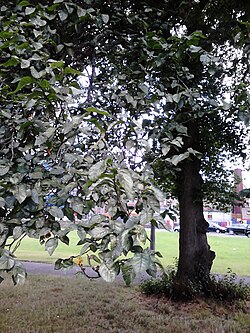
<point>177,228</point>
<point>248,231</point>
<point>239,229</point>
<point>215,227</point>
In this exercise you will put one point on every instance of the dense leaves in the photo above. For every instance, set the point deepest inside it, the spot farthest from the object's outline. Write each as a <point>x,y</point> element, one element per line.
<point>92,93</point>
<point>55,157</point>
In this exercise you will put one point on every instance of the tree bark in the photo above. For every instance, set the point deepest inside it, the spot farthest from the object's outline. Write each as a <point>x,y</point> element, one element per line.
<point>195,256</point>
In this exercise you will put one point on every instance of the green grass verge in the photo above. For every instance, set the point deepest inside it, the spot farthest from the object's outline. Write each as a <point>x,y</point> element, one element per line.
<point>231,251</point>
<point>48,304</point>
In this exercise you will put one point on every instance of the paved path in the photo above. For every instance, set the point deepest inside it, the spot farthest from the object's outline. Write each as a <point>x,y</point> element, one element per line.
<point>48,269</point>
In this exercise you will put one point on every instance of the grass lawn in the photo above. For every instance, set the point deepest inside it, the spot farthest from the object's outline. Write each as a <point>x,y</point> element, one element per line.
<point>231,251</point>
<point>48,304</point>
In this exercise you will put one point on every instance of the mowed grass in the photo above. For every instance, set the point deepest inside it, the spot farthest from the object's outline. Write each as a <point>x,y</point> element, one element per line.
<point>231,251</point>
<point>47,304</point>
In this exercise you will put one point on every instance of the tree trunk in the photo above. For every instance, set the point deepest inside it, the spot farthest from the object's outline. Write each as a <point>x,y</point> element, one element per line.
<point>195,256</point>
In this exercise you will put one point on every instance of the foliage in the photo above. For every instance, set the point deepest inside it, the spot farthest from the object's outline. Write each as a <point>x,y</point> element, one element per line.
<point>88,93</point>
<point>55,158</point>
<point>224,288</point>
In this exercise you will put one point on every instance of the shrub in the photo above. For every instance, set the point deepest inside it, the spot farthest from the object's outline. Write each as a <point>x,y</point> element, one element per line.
<point>224,288</point>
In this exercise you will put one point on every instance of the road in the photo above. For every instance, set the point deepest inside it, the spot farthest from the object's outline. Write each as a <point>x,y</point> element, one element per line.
<point>48,269</point>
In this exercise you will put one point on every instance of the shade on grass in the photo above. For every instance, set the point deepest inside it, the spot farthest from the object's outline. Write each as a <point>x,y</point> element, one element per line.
<point>231,251</point>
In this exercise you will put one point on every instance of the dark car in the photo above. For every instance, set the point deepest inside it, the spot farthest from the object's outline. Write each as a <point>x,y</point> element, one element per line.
<point>248,230</point>
<point>215,227</point>
<point>177,228</point>
<point>239,229</point>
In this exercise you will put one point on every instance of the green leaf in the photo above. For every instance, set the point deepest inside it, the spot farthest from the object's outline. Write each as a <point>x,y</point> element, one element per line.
<point>99,232</point>
<point>158,254</point>
<point>140,262</point>
<point>24,3</point>
<point>57,170</point>
<point>117,226</point>
<point>176,159</point>
<point>95,258</point>
<point>105,18</point>
<point>176,98</point>
<point>57,64</point>
<point>158,193</point>
<point>96,219</point>
<point>19,274</point>
<point>25,63</point>
<point>2,204</point>
<point>4,170</point>
<point>29,10</point>
<point>38,21</point>
<point>144,88</point>
<point>44,84</point>
<point>146,216</point>
<point>64,263</point>
<point>56,212</point>
<point>81,12</point>
<point>195,49</point>
<point>72,71</point>
<point>35,196</point>
<point>153,203</point>
<point>205,59</point>
<point>128,273</point>
<point>126,181</point>
<point>126,241</point>
<point>81,234</point>
<point>84,248</point>
<point>97,170</point>
<point>98,111</point>
<point>17,232</point>
<point>50,245</point>
<point>63,15</point>
<point>22,83</point>
<point>77,205</point>
<point>226,106</point>
<point>21,192</point>
<point>11,62</point>
<point>69,213</point>
<point>152,269</point>
<point>64,239</point>
<point>107,272</point>
<point>143,235</point>
<point>6,262</point>
<point>35,73</point>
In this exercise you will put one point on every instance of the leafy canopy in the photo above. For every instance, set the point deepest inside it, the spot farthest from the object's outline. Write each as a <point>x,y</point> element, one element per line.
<point>86,88</point>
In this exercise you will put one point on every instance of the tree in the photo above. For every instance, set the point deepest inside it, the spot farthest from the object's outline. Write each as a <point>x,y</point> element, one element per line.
<point>152,90</point>
<point>165,66</point>
<point>55,159</point>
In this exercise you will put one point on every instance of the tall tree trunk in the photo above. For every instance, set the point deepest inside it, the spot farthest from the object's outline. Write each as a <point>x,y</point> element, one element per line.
<point>195,256</point>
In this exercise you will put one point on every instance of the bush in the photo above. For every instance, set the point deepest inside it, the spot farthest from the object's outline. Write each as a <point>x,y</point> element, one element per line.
<point>225,288</point>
